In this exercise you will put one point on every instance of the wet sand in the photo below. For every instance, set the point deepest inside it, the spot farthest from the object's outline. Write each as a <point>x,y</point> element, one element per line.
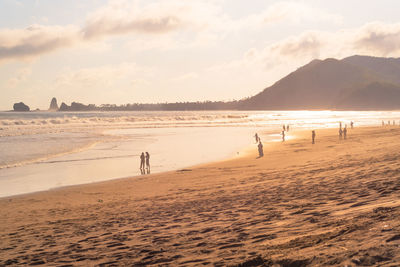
<point>332,203</point>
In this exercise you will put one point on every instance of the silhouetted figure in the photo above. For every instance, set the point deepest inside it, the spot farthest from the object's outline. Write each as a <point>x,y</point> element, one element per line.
<point>142,172</point>
<point>351,124</point>
<point>257,138</point>
<point>383,123</point>
<point>340,133</point>
<point>284,127</point>
<point>313,136</point>
<point>394,123</point>
<point>148,162</point>
<point>340,125</point>
<point>389,123</point>
<point>345,132</point>
<point>260,150</point>
<point>287,128</point>
<point>283,136</point>
<point>142,157</point>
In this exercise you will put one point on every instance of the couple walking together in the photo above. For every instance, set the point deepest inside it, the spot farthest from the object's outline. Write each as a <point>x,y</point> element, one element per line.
<point>145,159</point>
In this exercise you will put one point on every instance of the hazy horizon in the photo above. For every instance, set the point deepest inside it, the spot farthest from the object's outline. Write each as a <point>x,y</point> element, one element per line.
<point>118,52</point>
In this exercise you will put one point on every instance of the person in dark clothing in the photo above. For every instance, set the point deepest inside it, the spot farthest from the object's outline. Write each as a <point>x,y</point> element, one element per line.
<point>283,136</point>
<point>351,125</point>
<point>340,133</point>
<point>142,157</point>
<point>313,136</point>
<point>256,137</point>
<point>147,161</point>
<point>345,132</point>
<point>260,150</point>
<point>287,128</point>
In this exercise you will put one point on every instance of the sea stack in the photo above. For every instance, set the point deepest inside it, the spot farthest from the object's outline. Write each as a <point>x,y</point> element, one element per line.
<point>53,105</point>
<point>21,107</point>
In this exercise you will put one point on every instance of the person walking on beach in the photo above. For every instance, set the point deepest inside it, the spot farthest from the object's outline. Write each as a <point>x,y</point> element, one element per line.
<point>345,132</point>
<point>257,138</point>
<point>283,136</point>
<point>340,133</point>
<point>260,150</point>
<point>142,161</point>
<point>287,128</point>
<point>351,124</point>
<point>284,127</point>
<point>313,136</point>
<point>147,160</point>
<point>383,123</point>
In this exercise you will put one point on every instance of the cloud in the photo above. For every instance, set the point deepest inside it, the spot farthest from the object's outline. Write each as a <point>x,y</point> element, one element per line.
<point>275,60</point>
<point>35,40</point>
<point>203,22</point>
<point>124,17</point>
<point>379,39</point>
<point>375,39</point>
<point>296,12</point>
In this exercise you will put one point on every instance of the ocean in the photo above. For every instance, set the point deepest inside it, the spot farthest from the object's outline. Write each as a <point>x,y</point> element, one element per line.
<point>44,150</point>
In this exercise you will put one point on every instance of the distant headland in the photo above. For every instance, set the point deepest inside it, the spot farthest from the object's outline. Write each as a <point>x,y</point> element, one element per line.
<point>353,83</point>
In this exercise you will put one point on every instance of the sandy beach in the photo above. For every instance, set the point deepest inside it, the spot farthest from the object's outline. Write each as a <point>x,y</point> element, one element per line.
<point>331,203</point>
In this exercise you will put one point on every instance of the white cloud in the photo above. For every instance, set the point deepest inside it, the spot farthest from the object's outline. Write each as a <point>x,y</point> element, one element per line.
<point>125,17</point>
<point>205,20</point>
<point>379,39</point>
<point>296,12</point>
<point>35,40</point>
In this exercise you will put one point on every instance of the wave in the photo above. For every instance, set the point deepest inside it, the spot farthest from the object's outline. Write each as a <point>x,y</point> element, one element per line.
<point>44,158</point>
<point>118,119</point>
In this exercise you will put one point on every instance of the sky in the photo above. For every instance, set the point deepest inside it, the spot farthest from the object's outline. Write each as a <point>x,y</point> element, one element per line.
<point>156,51</point>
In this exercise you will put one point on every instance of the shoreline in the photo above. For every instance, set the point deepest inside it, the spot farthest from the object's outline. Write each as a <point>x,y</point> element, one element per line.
<point>243,153</point>
<point>332,203</point>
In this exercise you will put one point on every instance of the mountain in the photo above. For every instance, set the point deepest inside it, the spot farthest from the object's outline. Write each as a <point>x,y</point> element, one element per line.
<point>53,105</point>
<point>357,82</point>
<point>386,68</point>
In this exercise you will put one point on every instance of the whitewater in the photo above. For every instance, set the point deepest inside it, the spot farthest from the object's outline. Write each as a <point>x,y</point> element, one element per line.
<point>45,150</point>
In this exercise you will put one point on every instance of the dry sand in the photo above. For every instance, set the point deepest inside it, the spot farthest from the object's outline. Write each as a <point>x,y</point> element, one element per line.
<point>332,203</point>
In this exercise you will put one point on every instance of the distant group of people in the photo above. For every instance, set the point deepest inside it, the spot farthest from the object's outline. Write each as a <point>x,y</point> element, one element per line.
<point>342,135</point>
<point>388,123</point>
<point>145,163</point>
